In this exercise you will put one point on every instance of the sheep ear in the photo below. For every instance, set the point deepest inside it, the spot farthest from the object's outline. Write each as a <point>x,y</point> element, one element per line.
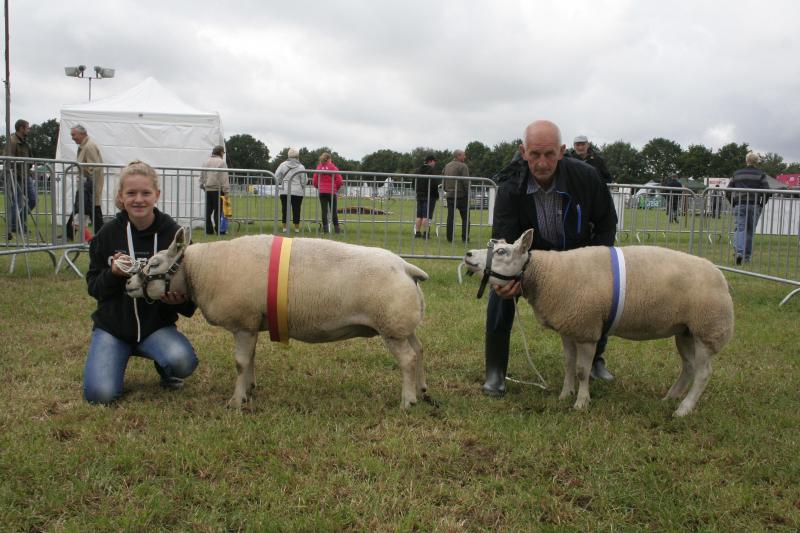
<point>526,240</point>
<point>179,242</point>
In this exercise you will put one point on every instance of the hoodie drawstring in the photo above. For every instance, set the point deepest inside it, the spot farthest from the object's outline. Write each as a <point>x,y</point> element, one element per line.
<point>132,253</point>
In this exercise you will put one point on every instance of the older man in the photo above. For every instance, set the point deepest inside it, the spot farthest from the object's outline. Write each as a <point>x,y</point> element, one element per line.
<point>567,204</point>
<point>88,152</point>
<point>457,194</point>
<point>581,149</point>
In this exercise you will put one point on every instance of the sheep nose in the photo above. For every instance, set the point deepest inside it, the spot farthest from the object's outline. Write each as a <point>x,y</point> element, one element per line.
<point>469,254</point>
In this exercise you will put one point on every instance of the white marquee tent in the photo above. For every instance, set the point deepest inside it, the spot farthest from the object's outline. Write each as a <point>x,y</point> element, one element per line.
<point>149,123</point>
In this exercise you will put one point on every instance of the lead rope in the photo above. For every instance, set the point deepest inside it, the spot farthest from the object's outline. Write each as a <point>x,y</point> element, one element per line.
<point>130,265</point>
<point>542,384</point>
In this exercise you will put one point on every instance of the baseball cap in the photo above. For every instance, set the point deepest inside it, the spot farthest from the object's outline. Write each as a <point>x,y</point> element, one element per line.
<point>580,139</point>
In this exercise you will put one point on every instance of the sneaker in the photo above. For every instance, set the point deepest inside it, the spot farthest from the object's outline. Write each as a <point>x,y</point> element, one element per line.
<point>296,230</point>
<point>337,229</point>
<point>738,259</point>
<point>172,383</point>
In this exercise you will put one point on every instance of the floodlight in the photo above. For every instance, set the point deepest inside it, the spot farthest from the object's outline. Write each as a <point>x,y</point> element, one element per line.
<point>103,72</point>
<point>75,72</point>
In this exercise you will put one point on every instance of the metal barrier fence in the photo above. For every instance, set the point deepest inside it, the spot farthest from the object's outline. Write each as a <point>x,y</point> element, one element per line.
<point>705,224</point>
<point>379,209</point>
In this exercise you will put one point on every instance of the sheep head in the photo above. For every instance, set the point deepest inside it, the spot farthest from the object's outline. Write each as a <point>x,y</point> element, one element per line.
<point>153,280</point>
<point>500,262</point>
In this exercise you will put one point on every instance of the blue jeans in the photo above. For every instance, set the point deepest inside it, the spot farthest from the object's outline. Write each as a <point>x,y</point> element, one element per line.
<point>170,351</point>
<point>745,219</point>
<point>25,199</point>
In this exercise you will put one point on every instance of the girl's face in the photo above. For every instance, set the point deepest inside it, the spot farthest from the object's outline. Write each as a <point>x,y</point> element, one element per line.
<point>139,198</point>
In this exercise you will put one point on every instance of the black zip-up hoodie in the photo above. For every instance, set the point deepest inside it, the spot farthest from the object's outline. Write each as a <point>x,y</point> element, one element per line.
<point>589,217</point>
<point>116,312</point>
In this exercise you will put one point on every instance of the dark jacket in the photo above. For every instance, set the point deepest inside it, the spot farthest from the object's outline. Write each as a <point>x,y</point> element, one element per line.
<point>748,178</point>
<point>115,309</point>
<point>596,161</point>
<point>427,187</point>
<point>589,217</point>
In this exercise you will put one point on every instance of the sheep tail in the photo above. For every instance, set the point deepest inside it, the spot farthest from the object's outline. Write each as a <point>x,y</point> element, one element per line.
<point>416,273</point>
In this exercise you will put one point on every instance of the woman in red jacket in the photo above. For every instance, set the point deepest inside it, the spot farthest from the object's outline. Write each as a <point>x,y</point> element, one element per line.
<point>328,185</point>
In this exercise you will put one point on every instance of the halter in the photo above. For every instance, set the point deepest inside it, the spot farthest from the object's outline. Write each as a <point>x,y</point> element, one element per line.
<point>166,276</point>
<point>488,272</point>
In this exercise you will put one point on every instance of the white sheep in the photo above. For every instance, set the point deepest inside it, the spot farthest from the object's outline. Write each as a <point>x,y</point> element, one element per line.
<point>666,293</point>
<point>336,291</point>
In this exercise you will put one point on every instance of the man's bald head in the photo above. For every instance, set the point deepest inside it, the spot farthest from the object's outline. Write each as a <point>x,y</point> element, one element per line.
<point>541,148</point>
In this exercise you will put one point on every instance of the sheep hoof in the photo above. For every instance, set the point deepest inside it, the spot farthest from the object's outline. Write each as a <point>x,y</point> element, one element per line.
<point>682,411</point>
<point>236,403</point>
<point>565,393</point>
<point>581,404</point>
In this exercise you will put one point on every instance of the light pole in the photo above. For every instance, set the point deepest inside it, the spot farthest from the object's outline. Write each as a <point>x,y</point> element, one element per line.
<point>99,74</point>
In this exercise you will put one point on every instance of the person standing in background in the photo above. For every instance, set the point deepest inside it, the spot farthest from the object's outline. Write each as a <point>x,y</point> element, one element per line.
<point>215,183</point>
<point>581,149</point>
<point>21,193</point>
<point>457,194</point>
<point>427,190</point>
<point>328,185</point>
<point>93,179</point>
<point>291,182</point>
<point>746,206</point>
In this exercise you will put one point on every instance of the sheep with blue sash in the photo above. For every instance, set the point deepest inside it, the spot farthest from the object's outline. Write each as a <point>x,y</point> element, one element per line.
<point>636,292</point>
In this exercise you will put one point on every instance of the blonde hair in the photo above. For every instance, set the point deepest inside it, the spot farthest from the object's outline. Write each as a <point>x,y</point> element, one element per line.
<point>752,158</point>
<point>135,168</point>
<point>324,157</point>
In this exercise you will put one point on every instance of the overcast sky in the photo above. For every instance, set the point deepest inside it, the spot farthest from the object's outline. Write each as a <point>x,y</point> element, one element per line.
<point>362,75</point>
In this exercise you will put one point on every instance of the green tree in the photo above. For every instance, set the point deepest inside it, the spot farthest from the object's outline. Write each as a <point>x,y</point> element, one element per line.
<point>479,159</point>
<point>385,161</point>
<point>624,162</point>
<point>661,157</point>
<point>695,161</point>
<point>245,151</point>
<point>792,168</point>
<point>728,159</point>
<point>43,139</point>
<point>772,164</point>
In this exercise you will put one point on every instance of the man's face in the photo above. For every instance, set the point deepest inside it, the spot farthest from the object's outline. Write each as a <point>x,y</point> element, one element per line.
<point>23,131</point>
<point>461,157</point>
<point>77,136</point>
<point>581,149</point>
<point>542,153</point>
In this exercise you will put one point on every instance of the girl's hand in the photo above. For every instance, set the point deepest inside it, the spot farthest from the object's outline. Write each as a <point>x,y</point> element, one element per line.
<point>173,298</point>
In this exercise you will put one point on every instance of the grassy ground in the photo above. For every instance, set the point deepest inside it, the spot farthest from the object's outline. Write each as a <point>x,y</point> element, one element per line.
<point>326,448</point>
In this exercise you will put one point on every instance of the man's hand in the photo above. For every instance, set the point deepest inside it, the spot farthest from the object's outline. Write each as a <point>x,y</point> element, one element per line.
<point>173,298</point>
<point>508,291</point>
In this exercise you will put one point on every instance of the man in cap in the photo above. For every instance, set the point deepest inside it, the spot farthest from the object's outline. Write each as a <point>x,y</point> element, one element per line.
<point>581,149</point>
<point>427,190</point>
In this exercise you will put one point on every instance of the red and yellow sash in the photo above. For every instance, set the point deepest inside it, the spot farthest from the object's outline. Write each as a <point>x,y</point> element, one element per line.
<point>278,289</point>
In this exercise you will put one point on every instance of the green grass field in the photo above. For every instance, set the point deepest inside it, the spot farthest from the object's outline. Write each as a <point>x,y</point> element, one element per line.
<point>325,446</point>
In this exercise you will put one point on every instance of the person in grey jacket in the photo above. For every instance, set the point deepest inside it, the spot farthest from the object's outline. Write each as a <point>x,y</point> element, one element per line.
<point>215,182</point>
<point>291,181</point>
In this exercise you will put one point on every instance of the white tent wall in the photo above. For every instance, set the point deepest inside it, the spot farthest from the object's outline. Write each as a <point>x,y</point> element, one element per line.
<point>150,124</point>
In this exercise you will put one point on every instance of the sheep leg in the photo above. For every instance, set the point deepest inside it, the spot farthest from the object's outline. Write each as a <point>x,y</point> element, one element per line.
<point>422,386</point>
<point>583,371</point>
<point>702,373</point>
<point>245,368</point>
<point>407,359</point>
<point>570,355</point>
<point>685,344</point>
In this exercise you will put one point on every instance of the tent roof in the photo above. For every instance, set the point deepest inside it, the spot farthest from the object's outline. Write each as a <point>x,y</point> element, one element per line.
<point>148,97</point>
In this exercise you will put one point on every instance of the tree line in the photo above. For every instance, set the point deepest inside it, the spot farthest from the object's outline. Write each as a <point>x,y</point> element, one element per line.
<point>658,159</point>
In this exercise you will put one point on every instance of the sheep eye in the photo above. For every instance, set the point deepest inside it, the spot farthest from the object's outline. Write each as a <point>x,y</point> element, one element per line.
<point>501,251</point>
